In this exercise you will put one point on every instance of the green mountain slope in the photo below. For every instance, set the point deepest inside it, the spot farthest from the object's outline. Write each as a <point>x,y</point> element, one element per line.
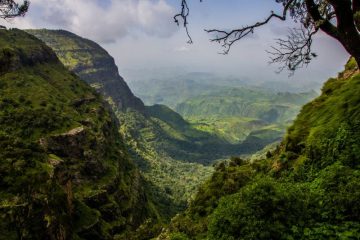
<point>169,92</point>
<point>170,152</point>
<point>167,115</point>
<point>204,95</point>
<point>229,109</point>
<point>308,188</point>
<point>245,102</point>
<point>158,138</point>
<point>91,63</point>
<point>197,143</point>
<point>238,114</point>
<point>174,180</point>
<point>64,169</point>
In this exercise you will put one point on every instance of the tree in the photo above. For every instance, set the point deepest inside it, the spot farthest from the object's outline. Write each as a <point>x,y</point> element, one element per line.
<point>10,8</point>
<point>340,19</point>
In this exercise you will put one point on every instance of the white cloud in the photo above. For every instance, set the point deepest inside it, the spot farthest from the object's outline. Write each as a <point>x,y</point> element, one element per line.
<point>103,23</point>
<point>182,49</point>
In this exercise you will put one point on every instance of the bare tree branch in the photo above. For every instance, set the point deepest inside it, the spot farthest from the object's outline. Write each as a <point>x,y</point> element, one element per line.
<point>183,15</point>
<point>340,19</point>
<point>228,38</point>
<point>11,9</point>
<point>295,51</point>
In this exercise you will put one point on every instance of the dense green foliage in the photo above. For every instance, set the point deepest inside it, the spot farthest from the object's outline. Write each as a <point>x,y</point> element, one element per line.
<point>169,150</point>
<point>174,181</point>
<point>154,134</point>
<point>239,129</point>
<point>328,137</point>
<point>64,171</point>
<point>308,188</point>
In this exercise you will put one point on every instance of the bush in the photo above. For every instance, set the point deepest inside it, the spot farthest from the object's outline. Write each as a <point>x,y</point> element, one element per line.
<point>265,209</point>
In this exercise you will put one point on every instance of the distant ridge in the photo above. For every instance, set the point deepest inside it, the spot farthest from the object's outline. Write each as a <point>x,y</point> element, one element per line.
<point>93,64</point>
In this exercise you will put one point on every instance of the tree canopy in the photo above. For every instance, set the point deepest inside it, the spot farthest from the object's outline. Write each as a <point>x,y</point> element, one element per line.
<point>340,19</point>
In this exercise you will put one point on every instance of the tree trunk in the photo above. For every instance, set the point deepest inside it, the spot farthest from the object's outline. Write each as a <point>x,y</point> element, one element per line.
<point>346,26</point>
<point>346,31</point>
<point>351,42</point>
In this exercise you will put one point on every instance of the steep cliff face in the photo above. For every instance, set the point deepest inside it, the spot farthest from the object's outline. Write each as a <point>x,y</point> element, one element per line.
<point>168,132</point>
<point>64,170</point>
<point>93,64</point>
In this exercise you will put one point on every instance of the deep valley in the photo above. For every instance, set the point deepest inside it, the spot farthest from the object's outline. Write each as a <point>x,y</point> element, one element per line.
<point>88,154</point>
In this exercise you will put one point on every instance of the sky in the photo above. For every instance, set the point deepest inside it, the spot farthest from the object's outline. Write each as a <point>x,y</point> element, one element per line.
<point>143,38</point>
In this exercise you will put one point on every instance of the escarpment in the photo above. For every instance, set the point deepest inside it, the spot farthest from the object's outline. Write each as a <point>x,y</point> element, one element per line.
<point>65,172</point>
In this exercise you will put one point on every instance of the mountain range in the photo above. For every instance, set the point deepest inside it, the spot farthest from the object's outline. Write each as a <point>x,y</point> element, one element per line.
<point>65,171</point>
<point>83,158</point>
<point>165,146</point>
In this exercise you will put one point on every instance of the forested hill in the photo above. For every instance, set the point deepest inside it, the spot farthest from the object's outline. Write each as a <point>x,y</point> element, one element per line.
<point>232,110</point>
<point>64,169</point>
<point>238,120</point>
<point>308,188</point>
<point>93,64</point>
<point>160,141</point>
<point>245,102</point>
<point>170,151</point>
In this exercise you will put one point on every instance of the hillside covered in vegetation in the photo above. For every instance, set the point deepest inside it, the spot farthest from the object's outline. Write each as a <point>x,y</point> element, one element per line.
<point>231,109</point>
<point>308,188</point>
<point>91,63</point>
<point>65,172</point>
<point>160,140</point>
<point>170,151</point>
<point>305,188</point>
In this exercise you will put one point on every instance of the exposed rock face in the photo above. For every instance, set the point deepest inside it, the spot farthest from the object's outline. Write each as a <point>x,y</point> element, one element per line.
<point>92,64</point>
